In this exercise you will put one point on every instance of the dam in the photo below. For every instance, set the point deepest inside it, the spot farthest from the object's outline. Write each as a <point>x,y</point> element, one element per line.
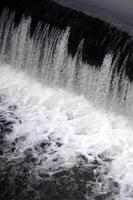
<point>65,104</point>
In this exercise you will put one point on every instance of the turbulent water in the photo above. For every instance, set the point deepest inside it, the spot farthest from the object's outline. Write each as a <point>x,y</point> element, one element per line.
<point>63,112</point>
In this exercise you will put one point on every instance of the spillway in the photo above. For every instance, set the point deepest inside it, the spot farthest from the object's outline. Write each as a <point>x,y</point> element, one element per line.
<point>65,116</point>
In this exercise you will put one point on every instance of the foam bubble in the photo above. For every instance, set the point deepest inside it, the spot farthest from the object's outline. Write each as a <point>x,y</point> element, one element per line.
<point>70,120</point>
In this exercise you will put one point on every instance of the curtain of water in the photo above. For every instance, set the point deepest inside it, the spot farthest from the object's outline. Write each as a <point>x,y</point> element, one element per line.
<point>45,56</point>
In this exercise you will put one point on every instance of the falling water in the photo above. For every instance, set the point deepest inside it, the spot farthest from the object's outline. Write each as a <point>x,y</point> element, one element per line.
<point>45,56</point>
<point>86,110</point>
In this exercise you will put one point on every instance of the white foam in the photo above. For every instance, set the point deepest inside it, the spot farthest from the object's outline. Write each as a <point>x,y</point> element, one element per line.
<point>82,128</point>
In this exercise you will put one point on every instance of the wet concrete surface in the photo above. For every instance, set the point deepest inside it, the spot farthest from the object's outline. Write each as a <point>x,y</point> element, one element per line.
<point>118,13</point>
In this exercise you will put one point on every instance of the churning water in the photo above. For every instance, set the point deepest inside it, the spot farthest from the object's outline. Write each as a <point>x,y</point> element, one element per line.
<point>79,110</point>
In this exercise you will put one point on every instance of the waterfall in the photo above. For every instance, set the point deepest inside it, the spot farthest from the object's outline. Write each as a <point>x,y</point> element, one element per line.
<point>60,113</point>
<point>45,56</point>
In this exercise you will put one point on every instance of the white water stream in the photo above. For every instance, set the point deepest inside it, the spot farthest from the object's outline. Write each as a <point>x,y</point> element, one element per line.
<point>79,111</point>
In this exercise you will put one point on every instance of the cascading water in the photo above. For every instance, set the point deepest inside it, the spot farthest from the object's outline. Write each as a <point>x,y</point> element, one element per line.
<point>58,112</point>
